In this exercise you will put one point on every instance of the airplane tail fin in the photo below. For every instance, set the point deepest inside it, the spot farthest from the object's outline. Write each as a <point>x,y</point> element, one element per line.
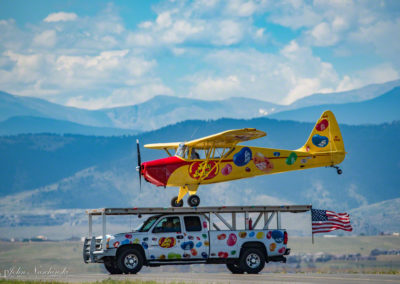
<point>325,136</point>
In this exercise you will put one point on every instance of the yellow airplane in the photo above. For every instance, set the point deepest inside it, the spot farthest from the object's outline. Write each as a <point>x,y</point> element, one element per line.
<point>219,158</point>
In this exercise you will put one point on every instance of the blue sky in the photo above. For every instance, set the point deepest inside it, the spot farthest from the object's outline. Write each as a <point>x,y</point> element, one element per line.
<point>103,54</point>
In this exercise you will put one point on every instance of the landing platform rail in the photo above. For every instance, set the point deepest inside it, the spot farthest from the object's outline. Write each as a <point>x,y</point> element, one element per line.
<point>203,210</point>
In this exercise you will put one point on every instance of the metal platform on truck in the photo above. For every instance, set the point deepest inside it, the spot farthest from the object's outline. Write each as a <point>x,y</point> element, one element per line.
<point>204,210</point>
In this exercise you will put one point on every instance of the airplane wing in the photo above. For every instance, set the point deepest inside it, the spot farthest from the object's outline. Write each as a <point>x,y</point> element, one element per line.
<point>227,138</point>
<point>163,146</point>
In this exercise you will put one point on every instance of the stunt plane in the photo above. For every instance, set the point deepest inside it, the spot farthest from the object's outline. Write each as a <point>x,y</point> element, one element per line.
<point>219,158</point>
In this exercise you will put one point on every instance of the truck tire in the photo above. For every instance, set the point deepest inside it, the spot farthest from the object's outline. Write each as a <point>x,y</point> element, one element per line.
<point>234,268</point>
<point>252,261</point>
<point>130,261</point>
<point>111,266</point>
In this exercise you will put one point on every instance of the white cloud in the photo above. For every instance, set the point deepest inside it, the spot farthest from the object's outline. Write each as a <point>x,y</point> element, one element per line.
<point>216,88</point>
<point>46,38</point>
<point>60,17</point>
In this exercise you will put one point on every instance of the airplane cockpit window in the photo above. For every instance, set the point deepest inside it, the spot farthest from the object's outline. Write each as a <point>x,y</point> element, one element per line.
<point>181,151</point>
<point>221,152</point>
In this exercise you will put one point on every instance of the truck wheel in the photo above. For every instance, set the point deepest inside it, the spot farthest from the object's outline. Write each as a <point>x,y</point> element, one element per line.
<point>176,204</point>
<point>111,266</point>
<point>130,261</point>
<point>252,261</point>
<point>234,268</point>
<point>194,200</point>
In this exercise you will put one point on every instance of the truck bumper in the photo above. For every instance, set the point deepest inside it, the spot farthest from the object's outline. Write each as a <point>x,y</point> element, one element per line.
<point>91,254</point>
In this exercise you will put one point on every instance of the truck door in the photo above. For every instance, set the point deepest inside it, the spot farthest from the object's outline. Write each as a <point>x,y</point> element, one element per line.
<point>196,243</point>
<point>166,239</point>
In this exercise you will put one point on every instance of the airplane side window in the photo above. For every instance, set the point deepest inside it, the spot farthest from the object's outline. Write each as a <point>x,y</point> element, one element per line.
<point>192,223</point>
<point>168,225</point>
<point>221,152</point>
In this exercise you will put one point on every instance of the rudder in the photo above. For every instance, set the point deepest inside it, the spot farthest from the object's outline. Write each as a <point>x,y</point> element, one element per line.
<point>325,136</point>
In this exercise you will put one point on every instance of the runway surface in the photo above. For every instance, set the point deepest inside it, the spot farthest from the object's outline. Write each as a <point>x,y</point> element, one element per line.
<point>229,278</point>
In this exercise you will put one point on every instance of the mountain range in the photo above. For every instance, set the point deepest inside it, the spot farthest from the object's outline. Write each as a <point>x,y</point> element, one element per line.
<point>54,172</point>
<point>32,115</point>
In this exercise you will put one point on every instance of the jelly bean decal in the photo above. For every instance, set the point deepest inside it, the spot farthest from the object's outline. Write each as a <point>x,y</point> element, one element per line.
<point>204,236</point>
<point>291,159</point>
<point>223,254</point>
<point>145,239</point>
<point>226,170</point>
<point>272,246</point>
<point>125,242</point>
<point>172,255</point>
<point>221,237</point>
<point>320,141</point>
<point>231,240</point>
<point>277,154</point>
<point>186,255</point>
<point>190,237</point>
<point>145,245</point>
<point>152,256</point>
<point>243,157</point>
<point>260,235</point>
<point>204,226</point>
<point>277,236</point>
<point>242,234</point>
<point>262,163</point>
<point>116,244</point>
<point>233,252</point>
<point>198,238</point>
<point>282,250</point>
<point>322,125</point>
<point>251,234</point>
<point>203,169</point>
<point>248,169</point>
<point>136,241</point>
<point>166,242</point>
<point>204,255</point>
<point>206,243</point>
<point>198,244</point>
<point>128,236</point>
<point>193,252</point>
<point>269,235</point>
<point>187,245</point>
<point>162,256</point>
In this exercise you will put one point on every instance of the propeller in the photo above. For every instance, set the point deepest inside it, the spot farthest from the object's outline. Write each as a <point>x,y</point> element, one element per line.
<point>139,166</point>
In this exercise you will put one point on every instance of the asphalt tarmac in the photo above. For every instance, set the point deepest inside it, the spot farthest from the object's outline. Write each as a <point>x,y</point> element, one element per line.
<point>228,278</point>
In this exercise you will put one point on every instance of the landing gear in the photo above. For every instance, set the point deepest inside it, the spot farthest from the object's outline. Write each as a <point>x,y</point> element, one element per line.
<point>174,202</point>
<point>338,170</point>
<point>194,200</point>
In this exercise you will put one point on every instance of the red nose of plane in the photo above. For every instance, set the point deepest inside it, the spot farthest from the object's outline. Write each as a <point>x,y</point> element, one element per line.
<point>158,171</point>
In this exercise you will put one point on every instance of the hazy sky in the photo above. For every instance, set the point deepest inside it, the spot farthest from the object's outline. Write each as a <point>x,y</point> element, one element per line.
<point>95,54</point>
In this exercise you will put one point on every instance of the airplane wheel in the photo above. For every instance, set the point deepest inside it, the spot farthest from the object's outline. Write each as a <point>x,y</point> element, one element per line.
<point>339,171</point>
<point>176,204</point>
<point>194,201</point>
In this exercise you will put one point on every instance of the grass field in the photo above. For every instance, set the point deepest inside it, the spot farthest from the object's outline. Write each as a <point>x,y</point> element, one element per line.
<point>59,256</point>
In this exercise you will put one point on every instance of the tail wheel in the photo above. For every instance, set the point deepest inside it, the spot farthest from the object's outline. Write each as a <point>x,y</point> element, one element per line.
<point>130,261</point>
<point>234,268</point>
<point>111,266</point>
<point>339,171</point>
<point>194,200</point>
<point>252,261</point>
<point>174,202</point>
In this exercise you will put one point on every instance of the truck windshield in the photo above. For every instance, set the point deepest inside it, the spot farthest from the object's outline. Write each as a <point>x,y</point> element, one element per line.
<point>148,224</point>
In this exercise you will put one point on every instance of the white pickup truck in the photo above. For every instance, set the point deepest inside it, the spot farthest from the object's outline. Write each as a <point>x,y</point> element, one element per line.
<point>185,238</point>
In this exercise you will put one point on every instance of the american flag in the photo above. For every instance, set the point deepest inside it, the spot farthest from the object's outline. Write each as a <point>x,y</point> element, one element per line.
<point>324,221</point>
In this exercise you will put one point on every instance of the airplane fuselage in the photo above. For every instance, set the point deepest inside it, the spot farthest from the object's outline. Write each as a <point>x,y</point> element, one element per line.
<point>241,162</point>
